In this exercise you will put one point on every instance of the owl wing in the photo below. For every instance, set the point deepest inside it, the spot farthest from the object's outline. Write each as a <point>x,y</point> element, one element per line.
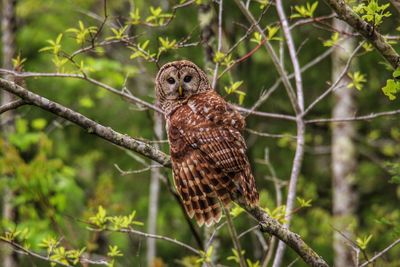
<point>208,156</point>
<point>217,132</point>
<point>200,183</point>
<point>214,108</point>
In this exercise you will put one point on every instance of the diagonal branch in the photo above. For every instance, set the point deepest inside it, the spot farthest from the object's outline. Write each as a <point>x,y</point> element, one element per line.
<point>23,250</point>
<point>12,105</point>
<point>369,32</point>
<point>275,59</point>
<point>356,118</point>
<point>89,125</point>
<point>373,259</point>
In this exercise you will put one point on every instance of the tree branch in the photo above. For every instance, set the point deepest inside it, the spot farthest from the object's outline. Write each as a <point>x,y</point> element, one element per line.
<point>275,59</point>
<point>369,32</point>
<point>89,125</point>
<point>272,226</point>
<point>301,128</point>
<point>334,85</point>
<point>12,105</point>
<point>356,118</point>
<point>23,250</point>
<point>129,97</point>
<point>373,259</point>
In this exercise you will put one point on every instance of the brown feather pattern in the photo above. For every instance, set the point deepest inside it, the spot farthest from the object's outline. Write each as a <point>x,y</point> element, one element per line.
<point>208,155</point>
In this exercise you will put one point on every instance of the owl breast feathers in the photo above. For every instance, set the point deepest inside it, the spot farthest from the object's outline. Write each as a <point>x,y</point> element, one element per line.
<point>208,153</point>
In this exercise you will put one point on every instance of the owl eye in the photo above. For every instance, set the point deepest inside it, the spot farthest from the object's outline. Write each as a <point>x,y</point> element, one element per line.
<point>187,78</point>
<point>171,80</point>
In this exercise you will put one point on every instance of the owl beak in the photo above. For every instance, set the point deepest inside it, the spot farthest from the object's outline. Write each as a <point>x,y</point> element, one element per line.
<point>180,90</point>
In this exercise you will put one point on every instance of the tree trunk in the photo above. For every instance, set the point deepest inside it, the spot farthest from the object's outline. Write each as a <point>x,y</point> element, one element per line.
<point>343,153</point>
<point>154,195</point>
<point>8,24</point>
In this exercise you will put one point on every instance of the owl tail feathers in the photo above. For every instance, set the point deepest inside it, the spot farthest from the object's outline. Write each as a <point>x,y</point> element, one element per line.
<point>247,189</point>
<point>205,211</point>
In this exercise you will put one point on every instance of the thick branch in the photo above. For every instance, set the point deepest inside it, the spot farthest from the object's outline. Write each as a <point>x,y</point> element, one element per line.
<point>369,32</point>
<point>270,225</point>
<point>267,223</point>
<point>89,125</point>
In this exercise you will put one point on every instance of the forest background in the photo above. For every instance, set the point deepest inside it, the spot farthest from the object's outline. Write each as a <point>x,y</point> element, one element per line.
<point>321,101</point>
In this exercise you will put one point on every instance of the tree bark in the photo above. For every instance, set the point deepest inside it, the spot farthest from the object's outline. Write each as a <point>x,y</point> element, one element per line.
<point>8,25</point>
<point>343,152</point>
<point>368,31</point>
<point>154,195</point>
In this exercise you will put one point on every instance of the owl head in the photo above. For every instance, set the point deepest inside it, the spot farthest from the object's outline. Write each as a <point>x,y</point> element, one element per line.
<point>176,82</point>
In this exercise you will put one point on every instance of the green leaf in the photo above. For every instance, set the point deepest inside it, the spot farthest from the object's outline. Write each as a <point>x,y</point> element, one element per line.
<point>257,38</point>
<point>396,73</point>
<point>113,251</point>
<point>134,17</point>
<point>86,102</point>
<point>333,41</point>
<point>362,242</point>
<point>305,11</point>
<point>391,88</point>
<point>235,257</point>
<point>358,80</point>
<point>304,203</point>
<point>39,123</point>
<point>236,210</point>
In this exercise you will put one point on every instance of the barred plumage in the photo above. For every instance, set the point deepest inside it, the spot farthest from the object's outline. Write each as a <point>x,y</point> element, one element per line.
<point>208,152</point>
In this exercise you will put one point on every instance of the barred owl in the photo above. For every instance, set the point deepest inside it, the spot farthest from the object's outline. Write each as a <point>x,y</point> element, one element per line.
<point>208,152</point>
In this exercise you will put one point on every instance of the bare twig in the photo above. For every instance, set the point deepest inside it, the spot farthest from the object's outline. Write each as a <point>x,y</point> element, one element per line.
<point>356,118</point>
<point>275,86</point>
<point>215,76</point>
<point>334,85</point>
<point>269,134</point>
<point>160,237</point>
<point>235,238</point>
<point>12,105</point>
<point>373,259</point>
<point>129,97</point>
<point>275,59</point>
<point>246,111</point>
<point>251,229</point>
<point>23,250</point>
<point>122,172</point>
<point>312,20</point>
<point>292,53</point>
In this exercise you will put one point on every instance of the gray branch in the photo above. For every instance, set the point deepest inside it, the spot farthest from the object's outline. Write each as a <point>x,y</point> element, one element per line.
<point>89,125</point>
<point>12,105</point>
